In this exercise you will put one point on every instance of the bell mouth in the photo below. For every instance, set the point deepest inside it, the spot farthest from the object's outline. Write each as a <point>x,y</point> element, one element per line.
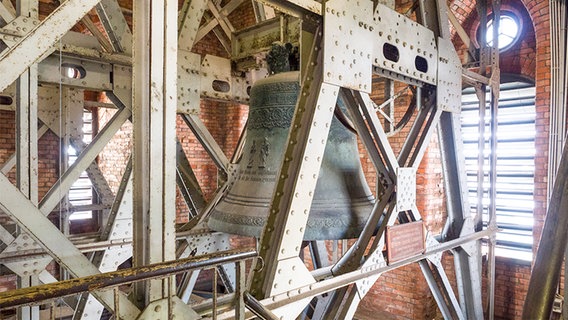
<point>328,220</point>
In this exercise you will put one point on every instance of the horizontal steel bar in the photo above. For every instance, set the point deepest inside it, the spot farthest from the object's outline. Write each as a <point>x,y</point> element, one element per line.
<point>348,278</point>
<point>83,247</point>
<point>85,244</point>
<point>34,294</point>
<point>224,303</point>
<point>324,286</point>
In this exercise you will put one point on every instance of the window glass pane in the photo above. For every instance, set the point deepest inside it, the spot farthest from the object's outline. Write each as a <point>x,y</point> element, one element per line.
<point>81,192</point>
<point>509,30</point>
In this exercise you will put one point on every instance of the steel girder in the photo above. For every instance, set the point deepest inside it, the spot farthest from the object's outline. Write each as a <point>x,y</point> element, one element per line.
<point>71,174</point>
<point>50,202</point>
<point>6,14</point>
<point>125,102</point>
<point>115,25</point>
<point>275,245</point>
<point>375,141</point>
<point>154,155</point>
<point>280,268</point>
<point>41,38</point>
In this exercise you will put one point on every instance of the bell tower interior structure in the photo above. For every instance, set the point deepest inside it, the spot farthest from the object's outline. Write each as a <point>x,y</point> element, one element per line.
<point>282,159</point>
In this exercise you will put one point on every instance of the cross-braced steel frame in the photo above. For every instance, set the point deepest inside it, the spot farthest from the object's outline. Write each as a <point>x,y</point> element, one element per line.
<point>138,71</point>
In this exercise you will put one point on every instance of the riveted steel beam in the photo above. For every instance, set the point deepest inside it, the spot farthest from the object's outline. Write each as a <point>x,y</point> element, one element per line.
<point>328,284</point>
<point>36,225</point>
<point>433,274</point>
<point>48,205</point>
<point>85,158</point>
<point>207,141</point>
<point>188,184</point>
<point>94,30</point>
<point>281,238</point>
<point>117,228</point>
<point>259,38</point>
<point>115,25</point>
<point>29,50</point>
<point>6,14</point>
<point>27,153</point>
<point>221,19</point>
<point>297,8</point>
<point>27,137</point>
<point>154,150</point>
<point>188,22</point>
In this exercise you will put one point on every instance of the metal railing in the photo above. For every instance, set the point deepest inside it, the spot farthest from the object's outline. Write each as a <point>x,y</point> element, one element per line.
<point>47,293</point>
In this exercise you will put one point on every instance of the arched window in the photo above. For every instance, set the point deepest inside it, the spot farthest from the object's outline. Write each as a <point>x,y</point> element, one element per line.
<point>515,164</point>
<point>510,29</point>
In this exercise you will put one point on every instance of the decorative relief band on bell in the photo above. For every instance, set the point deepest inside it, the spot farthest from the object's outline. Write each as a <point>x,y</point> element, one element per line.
<point>237,219</point>
<point>268,118</point>
<point>327,205</point>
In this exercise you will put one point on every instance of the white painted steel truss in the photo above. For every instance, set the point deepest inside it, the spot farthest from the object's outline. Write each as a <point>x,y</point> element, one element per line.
<point>333,66</point>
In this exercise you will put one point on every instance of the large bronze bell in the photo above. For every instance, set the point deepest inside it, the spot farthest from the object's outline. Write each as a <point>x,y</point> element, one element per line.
<point>342,199</point>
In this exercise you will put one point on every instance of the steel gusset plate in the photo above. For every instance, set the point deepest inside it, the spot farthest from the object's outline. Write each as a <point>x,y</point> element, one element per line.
<point>403,48</point>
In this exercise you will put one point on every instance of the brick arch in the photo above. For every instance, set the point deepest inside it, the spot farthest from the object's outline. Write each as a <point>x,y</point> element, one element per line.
<point>520,58</point>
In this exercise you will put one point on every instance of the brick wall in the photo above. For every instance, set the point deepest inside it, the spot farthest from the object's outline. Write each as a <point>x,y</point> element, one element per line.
<point>511,280</point>
<point>114,157</point>
<point>225,122</point>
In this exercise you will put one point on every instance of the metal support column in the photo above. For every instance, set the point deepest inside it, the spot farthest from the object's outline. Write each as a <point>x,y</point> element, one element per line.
<point>26,144</point>
<point>154,149</point>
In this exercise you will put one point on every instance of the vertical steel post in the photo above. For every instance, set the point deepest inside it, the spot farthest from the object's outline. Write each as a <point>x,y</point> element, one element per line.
<point>26,142</point>
<point>154,148</point>
<point>240,291</point>
<point>27,160</point>
<point>494,108</point>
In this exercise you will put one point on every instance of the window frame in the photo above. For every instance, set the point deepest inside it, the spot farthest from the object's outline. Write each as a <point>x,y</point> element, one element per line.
<point>521,96</point>
<point>504,13</point>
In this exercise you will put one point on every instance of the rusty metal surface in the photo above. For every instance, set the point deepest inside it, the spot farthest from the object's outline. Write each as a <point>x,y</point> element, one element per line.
<point>120,277</point>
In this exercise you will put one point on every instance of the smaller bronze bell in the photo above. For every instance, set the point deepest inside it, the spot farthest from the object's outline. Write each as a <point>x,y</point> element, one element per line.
<point>342,200</point>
